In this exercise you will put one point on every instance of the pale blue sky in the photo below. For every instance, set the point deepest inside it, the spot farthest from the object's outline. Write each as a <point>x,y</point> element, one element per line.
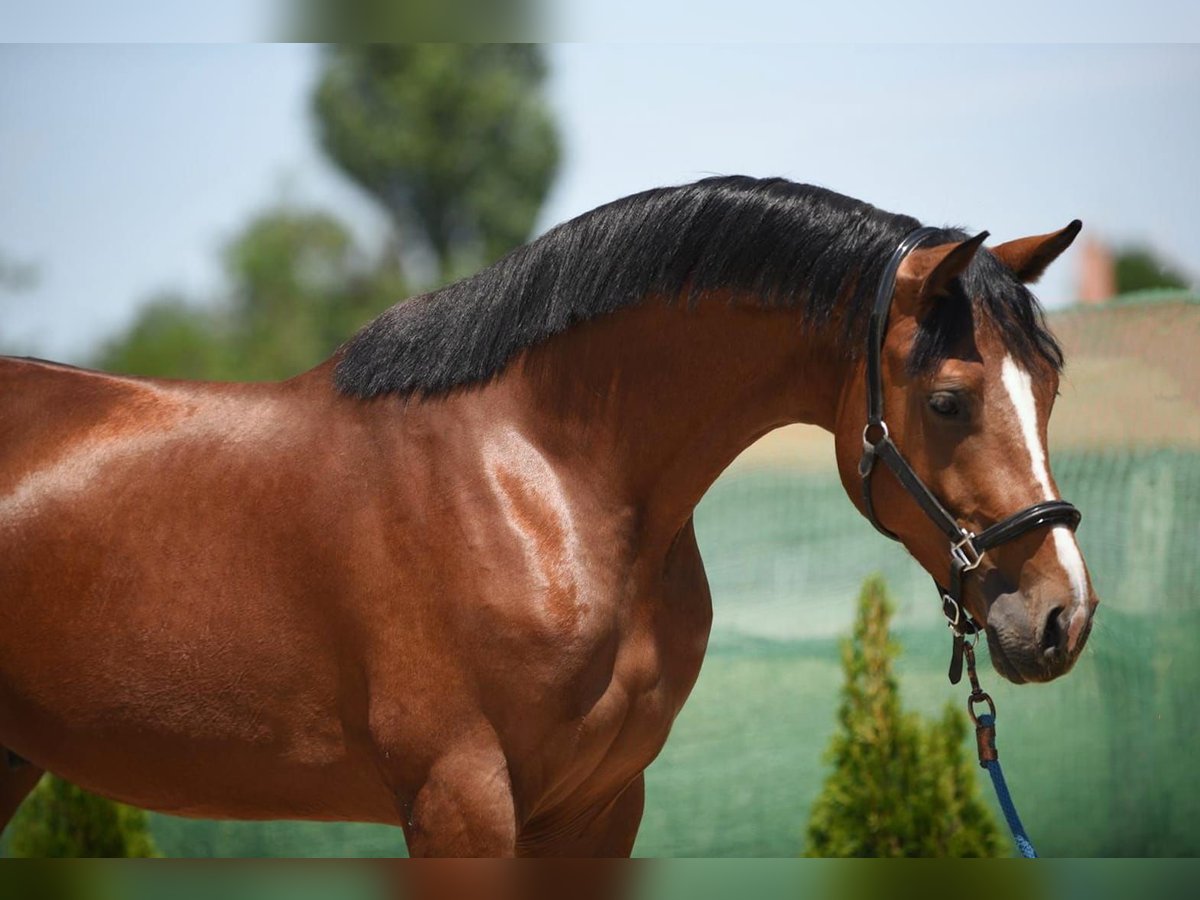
<point>123,169</point>
<point>138,20</point>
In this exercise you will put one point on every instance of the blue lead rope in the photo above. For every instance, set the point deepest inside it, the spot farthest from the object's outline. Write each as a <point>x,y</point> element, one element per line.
<point>985,738</point>
<point>1024,845</point>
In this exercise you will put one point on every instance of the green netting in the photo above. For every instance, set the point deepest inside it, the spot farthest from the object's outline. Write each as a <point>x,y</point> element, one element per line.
<point>1099,760</point>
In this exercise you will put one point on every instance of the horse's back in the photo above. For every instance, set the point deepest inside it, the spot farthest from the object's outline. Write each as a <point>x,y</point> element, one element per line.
<point>98,468</point>
<point>45,407</point>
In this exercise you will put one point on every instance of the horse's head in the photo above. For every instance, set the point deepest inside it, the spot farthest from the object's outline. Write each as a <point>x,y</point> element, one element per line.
<point>969,376</point>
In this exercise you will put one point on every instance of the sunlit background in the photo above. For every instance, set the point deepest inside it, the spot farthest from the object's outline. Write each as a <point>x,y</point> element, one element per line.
<point>177,210</point>
<point>126,168</point>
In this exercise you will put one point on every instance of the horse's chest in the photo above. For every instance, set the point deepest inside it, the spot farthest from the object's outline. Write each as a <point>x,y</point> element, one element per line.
<point>654,673</point>
<point>645,676</point>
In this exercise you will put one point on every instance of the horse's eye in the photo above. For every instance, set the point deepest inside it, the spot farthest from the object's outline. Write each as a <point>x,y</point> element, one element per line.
<point>944,403</point>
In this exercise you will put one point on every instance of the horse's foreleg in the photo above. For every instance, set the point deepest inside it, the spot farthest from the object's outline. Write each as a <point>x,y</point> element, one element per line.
<point>610,832</point>
<point>616,829</point>
<point>16,781</point>
<point>464,808</point>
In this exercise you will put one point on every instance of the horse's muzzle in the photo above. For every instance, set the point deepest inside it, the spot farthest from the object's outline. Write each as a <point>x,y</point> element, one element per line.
<point>1032,640</point>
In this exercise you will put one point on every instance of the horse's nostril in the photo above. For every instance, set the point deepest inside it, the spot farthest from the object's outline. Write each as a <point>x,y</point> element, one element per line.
<point>1054,633</point>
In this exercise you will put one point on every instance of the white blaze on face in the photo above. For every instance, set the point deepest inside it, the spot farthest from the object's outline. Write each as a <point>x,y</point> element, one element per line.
<point>1020,391</point>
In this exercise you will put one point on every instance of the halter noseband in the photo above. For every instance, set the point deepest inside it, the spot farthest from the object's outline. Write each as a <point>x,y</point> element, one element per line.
<point>966,549</point>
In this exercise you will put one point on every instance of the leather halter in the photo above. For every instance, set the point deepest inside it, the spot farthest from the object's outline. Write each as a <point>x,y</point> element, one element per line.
<point>966,549</point>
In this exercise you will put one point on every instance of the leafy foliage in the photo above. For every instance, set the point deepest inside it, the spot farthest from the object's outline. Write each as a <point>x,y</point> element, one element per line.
<point>170,338</point>
<point>900,786</point>
<point>377,21</point>
<point>60,820</point>
<point>1140,269</point>
<point>454,140</point>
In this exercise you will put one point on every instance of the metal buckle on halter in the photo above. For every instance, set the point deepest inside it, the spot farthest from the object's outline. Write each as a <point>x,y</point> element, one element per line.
<point>868,444</point>
<point>966,553</point>
<point>952,619</point>
<point>958,620</point>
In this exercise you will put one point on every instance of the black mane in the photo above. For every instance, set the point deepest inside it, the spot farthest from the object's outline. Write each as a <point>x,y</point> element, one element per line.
<point>790,245</point>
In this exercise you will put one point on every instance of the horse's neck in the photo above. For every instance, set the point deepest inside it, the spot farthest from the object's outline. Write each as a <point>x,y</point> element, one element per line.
<point>658,399</point>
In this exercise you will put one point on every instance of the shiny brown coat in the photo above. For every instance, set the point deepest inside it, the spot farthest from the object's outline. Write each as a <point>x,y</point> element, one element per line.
<point>473,616</point>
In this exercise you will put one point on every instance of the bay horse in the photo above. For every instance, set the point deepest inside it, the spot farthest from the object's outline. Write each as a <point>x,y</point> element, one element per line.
<point>448,579</point>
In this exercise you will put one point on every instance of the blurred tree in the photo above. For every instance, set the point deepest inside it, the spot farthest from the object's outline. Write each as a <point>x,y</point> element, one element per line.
<point>458,145</point>
<point>375,21</point>
<point>173,339</point>
<point>293,277</point>
<point>454,140</point>
<point>60,820</point>
<point>1140,268</point>
<point>900,786</point>
<point>296,289</point>
<point>16,275</point>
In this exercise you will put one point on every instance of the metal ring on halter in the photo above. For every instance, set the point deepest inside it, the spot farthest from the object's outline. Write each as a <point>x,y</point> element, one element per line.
<point>981,697</point>
<point>868,444</point>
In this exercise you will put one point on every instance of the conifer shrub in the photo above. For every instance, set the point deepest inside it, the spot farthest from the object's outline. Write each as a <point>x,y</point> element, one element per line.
<point>59,820</point>
<point>900,785</point>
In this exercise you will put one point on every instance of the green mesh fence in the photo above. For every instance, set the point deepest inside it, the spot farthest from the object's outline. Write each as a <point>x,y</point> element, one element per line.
<point>1098,761</point>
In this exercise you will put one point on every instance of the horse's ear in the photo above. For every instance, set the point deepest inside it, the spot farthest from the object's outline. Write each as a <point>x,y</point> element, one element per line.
<point>932,270</point>
<point>1029,257</point>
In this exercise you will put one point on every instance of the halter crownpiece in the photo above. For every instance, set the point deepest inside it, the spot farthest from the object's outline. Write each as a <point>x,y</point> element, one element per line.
<point>966,549</point>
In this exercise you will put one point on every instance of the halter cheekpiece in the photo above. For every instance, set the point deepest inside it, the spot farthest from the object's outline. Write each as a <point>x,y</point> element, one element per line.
<point>966,549</point>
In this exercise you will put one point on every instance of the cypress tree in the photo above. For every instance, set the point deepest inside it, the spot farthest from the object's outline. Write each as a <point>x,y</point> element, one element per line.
<point>900,786</point>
